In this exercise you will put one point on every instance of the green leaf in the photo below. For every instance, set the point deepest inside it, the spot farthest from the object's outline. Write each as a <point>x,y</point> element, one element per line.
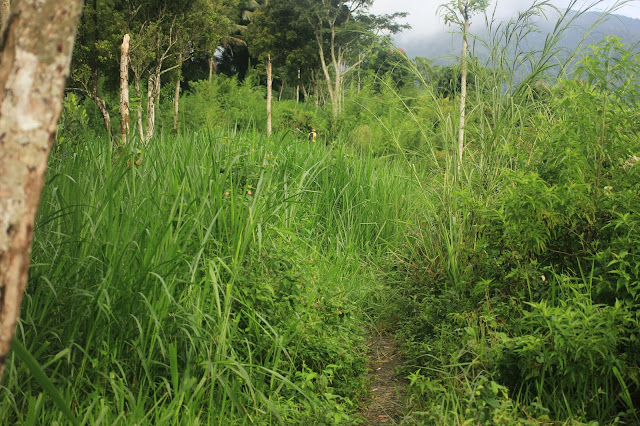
<point>36,371</point>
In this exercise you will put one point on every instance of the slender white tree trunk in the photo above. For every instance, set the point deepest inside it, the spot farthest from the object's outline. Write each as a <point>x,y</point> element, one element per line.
<point>158,86</point>
<point>284,82</point>
<point>34,66</point>
<point>176,97</point>
<point>136,79</point>
<point>298,88</point>
<point>269,93</point>
<point>463,91</point>
<point>151,108</point>
<point>176,107</point>
<point>124,89</point>
<point>327,76</point>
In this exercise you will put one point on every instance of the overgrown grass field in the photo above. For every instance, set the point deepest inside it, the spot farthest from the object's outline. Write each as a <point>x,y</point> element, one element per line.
<point>216,278</point>
<point>223,277</point>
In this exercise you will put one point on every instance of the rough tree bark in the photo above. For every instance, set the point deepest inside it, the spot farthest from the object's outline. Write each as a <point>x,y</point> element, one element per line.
<point>4,12</point>
<point>124,89</point>
<point>269,93</point>
<point>34,67</point>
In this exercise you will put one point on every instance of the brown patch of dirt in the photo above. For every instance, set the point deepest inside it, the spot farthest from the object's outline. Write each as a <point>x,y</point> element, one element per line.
<point>385,405</point>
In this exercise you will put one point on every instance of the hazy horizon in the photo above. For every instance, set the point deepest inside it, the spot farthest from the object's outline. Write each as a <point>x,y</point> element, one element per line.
<point>425,22</point>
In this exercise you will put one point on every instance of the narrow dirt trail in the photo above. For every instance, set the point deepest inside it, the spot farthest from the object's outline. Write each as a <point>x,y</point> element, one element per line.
<point>385,406</point>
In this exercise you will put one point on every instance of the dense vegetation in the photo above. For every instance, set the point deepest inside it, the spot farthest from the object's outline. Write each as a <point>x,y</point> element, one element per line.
<point>220,276</point>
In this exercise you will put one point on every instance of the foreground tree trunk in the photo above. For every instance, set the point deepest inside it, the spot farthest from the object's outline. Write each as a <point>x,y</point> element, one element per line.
<point>4,13</point>
<point>34,67</point>
<point>124,89</point>
<point>269,93</point>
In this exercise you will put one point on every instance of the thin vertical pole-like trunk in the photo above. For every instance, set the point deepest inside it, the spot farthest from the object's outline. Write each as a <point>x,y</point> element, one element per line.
<point>316,94</point>
<point>153,99</point>
<point>176,97</point>
<point>463,90</point>
<point>136,79</point>
<point>327,76</point>
<point>284,81</point>
<point>298,88</point>
<point>100,103</point>
<point>158,85</point>
<point>269,93</point>
<point>151,108</point>
<point>176,106</point>
<point>124,89</point>
<point>212,67</point>
<point>34,66</point>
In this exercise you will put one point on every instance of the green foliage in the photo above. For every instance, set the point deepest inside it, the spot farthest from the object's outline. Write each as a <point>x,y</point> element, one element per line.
<point>214,278</point>
<point>571,351</point>
<point>293,116</point>
<point>224,277</point>
<point>73,121</point>
<point>224,102</point>
<point>459,11</point>
<point>523,266</point>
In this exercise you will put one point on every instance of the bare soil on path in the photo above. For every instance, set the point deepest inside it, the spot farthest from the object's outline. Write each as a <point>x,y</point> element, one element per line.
<point>385,406</point>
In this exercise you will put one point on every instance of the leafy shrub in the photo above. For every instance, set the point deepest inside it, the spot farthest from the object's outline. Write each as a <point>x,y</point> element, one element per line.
<point>571,351</point>
<point>73,121</point>
<point>223,102</point>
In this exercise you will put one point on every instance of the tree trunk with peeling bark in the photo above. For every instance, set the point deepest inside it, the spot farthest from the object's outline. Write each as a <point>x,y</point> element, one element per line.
<point>269,93</point>
<point>34,67</point>
<point>124,89</point>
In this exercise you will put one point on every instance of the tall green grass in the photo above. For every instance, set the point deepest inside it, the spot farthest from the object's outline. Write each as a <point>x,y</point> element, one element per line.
<point>212,278</point>
<point>507,256</point>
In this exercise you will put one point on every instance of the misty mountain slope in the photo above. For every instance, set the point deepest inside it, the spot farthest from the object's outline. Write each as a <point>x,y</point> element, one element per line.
<point>446,47</point>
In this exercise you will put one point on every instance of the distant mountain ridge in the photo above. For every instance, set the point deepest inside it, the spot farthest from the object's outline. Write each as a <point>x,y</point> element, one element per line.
<point>445,47</point>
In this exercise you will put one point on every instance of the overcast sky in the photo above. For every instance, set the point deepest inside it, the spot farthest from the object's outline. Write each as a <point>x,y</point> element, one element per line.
<point>424,19</point>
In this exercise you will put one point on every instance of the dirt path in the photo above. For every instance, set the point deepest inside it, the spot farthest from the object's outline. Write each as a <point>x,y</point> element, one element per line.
<point>385,406</point>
